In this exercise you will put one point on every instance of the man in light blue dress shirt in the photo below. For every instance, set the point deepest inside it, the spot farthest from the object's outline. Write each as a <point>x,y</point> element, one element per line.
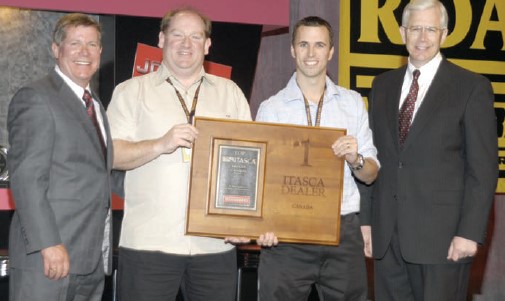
<point>287,271</point>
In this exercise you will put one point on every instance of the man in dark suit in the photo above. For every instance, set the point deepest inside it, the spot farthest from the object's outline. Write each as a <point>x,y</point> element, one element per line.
<point>60,159</point>
<point>430,204</point>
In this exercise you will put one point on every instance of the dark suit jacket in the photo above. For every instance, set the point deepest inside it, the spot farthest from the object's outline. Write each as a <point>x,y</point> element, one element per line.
<point>442,183</point>
<point>59,177</point>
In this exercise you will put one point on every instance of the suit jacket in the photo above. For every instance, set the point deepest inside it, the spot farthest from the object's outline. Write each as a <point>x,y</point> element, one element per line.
<point>442,183</point>
<point>59,177</point>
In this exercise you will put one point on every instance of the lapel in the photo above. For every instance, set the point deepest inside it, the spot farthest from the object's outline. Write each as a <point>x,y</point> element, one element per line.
<point>67,99</point>
<point>106,126</point>
<point>434,97</point>
<point>392,102</point>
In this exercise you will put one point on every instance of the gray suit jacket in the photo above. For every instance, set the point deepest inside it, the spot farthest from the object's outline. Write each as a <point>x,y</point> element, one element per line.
<point>59,177</point>
<point>442,183</point>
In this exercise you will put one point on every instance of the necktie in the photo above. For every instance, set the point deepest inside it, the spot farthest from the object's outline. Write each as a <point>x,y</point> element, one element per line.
<point>407,109</point>
<point>90,109</point>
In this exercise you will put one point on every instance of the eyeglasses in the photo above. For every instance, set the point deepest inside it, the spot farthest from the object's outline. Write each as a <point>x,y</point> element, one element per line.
<point>417,30</point>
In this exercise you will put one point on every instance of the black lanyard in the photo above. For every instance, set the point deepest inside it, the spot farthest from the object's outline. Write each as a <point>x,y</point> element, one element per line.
<point>189,115</point>
<point>319,110</point>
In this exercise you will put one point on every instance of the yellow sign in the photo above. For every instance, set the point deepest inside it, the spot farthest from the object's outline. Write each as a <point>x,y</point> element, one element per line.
<point>370,44</point>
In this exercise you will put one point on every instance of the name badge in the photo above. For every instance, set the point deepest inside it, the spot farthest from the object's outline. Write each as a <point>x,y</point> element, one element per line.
<point>186,155</point>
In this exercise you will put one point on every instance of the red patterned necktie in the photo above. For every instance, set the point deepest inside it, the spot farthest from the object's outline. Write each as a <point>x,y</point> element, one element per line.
<point>407,109</point>
<point>90,109</point>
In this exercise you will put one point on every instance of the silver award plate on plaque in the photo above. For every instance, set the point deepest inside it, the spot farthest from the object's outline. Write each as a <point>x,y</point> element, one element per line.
<point>236,177</point>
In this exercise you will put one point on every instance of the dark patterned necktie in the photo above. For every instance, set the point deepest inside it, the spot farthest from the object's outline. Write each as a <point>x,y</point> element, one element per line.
<point>407,109</point>
<point>90,109</point>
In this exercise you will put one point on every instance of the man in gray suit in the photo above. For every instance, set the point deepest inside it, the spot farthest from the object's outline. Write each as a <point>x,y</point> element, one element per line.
<point>435,131</point>
<point>60,159</point>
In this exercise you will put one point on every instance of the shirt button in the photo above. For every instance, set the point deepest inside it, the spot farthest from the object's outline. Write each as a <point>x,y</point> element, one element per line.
<point>400,164</point>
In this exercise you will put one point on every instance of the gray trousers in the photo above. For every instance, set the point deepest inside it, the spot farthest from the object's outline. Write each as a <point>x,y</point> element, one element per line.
<point>31,285</point>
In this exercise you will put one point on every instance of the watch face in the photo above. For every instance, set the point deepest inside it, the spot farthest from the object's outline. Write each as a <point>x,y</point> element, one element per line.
<point>3,163</point>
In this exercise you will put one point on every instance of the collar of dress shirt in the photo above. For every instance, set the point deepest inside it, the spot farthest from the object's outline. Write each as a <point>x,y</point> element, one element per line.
<point>78,90</point>
<point>428,70</point>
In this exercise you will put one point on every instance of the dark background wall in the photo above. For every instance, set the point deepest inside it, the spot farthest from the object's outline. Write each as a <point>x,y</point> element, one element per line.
<point>233,44</point>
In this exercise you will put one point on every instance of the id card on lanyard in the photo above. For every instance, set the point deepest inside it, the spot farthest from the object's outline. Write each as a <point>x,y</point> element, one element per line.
<point>318,112</point>
<point>186,152</point>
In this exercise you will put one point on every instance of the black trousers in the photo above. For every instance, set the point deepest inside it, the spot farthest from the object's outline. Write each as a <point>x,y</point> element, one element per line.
<point>287,272</point>
<point>156,276</point>
<point>398,280</point>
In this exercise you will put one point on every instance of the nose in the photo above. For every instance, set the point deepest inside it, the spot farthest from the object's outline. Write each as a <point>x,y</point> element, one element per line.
<point>186,41</point>
<point>311,51</point>
<point>424,34</point>
<point>84,49</point>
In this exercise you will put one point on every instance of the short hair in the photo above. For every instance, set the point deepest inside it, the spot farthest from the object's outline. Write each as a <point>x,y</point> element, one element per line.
<point>74,20</point>
<point>165,22</point>
<point>313,21</point>
<point>416,5</point>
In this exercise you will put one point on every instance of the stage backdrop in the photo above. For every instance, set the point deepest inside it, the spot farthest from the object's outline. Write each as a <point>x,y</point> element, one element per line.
<point>265,12</point>
<point>370,43</point>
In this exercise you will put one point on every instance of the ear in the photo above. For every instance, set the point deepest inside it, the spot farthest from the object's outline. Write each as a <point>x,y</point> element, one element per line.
<point>56,50</point>
<point>161,39</point>
<point>403,33</point>
<point>208,42</point>
<point>293,52</point>
<point>330,55</point>
<point>444,36</point>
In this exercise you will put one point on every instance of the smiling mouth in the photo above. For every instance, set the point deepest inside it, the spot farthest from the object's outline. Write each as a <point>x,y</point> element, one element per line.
<point>311,63</point>
<point>422,47</point>
<point>85,63</point>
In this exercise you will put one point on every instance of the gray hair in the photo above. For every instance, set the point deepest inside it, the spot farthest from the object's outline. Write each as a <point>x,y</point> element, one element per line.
<point>416,5</point>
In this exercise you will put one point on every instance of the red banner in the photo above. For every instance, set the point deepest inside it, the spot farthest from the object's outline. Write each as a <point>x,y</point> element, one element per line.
<point>148,59</point>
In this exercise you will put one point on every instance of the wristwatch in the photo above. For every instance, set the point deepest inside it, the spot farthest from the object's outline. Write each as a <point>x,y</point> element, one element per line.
<point>361,162</point>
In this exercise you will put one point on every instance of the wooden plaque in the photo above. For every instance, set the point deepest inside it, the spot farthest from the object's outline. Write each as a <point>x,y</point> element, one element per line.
<point>248,178</point>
